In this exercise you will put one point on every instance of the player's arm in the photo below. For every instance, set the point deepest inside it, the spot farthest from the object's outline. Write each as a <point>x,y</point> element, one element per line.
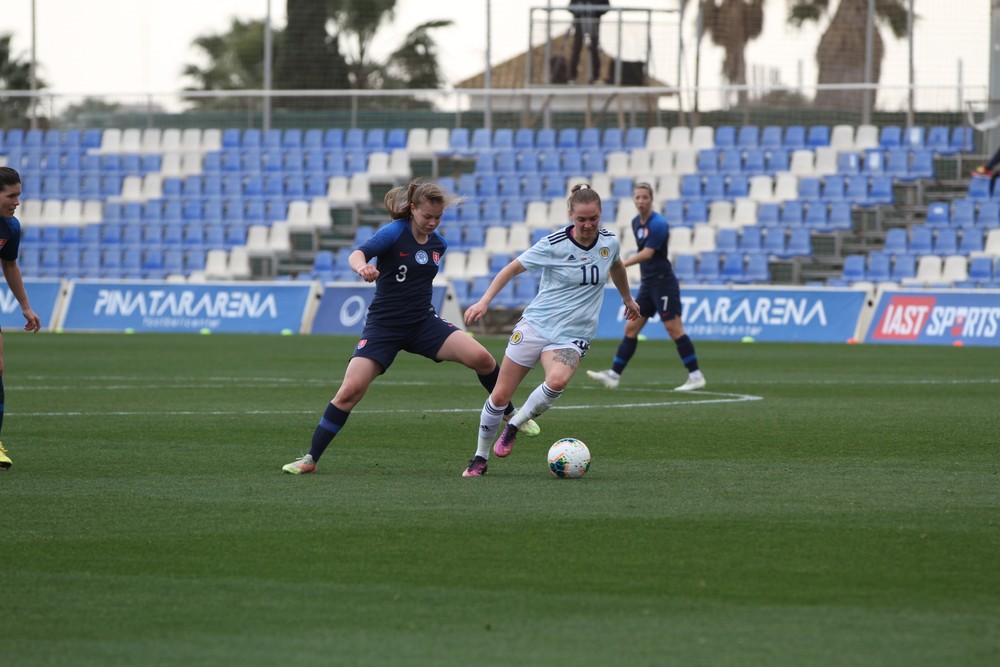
<point>359,264</point>
<point>476,311</point>
<point>12,274</point>
<point>620,278</point>
<point>643,255</point>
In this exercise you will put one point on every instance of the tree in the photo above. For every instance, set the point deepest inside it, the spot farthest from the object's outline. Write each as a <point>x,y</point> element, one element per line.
<point>732,25</point>
<point>841,51</point>
<point>315,62</point>
<point>15,74</point>
<point>235,62</point>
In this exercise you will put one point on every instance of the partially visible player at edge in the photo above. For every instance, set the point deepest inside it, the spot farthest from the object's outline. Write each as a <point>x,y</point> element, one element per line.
<point>401,315</point>
<point>558,324</point>
<point>659,292</point>
<point>10,242</point>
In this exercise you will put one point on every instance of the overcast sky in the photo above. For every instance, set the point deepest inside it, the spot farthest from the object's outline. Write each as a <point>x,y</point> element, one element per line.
<point>141,46</point>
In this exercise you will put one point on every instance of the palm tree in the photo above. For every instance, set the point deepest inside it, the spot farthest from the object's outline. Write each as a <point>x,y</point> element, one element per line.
<point>235,62</point>
<point>732,24</point>
<point>15,74</point>
<point>841,52</point>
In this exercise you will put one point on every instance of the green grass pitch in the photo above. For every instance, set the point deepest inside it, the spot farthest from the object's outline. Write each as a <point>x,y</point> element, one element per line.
<point>816,505</point>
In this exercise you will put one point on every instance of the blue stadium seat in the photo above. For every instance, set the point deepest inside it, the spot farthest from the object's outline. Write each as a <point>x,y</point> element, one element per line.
<point>980,271</point>
<point>725,137</point>
<point>896,242</point>
<point>768,214</point>
<point>880,191</point>
<point>612,139</point>
<point>903,267</point>
<point>708,271</point>
<point>878,267</point>
<point>730,161</point>
<point>854,269</point>
<point>774,242</point>
<point>770,137</point>
<point>897,165</point>
<point>963,213</point>
<point>890,136</point>
<point>945,242</point>
<point>799,243</point>
<point>817,216</point>
<point>524,138</point>
<point>792,213</point>
<point>737,185</point>
<point>979,189</point>
<point>396,138</point>
<point>635,137</point>
<point>972,242</point>
<point>748,136</point>
<point>569,138</point>
<point>685,267</point>
<point>708,160</point>
<point>713,187</point>
<point>840,217</point>
<point>921,241</point>
<point>732,269</point>
<point>795,137</point>
<point>755,161</point>
<point>818,135</point>
<point>962,140</point>
<point>545,138</point>
<point>757,270</point>
<point>333,139</point>
<point>590,138</point>
<point>727,241</point>
<point>810,189</point>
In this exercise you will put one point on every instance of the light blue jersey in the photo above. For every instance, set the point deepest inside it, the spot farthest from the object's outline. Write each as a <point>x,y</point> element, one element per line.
<point>571,290</point>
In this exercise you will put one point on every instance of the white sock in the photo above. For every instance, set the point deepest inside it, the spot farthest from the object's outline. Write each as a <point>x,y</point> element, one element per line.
<point>695,375</point>
<point>540,400</point>
<point>613,375</point>
<point>489,421</point>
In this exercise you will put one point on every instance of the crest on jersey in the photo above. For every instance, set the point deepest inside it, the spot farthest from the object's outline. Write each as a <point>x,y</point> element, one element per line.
<point>642,233</point>
<point>421,257</point>
<point>436,256</point>
<point>605,253</point>
<point>362,343</point>
<point>516,337</point>
<point>3,242</point>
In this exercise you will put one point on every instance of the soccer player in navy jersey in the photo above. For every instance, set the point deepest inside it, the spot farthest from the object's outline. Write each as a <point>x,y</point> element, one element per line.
<point>659,292</point>
<point>10,242</point>
<point>409,251</point>
<point>558,324</point>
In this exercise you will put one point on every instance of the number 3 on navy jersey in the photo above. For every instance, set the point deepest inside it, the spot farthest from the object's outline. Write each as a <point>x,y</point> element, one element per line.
<point>591,275</point>
<point>401,273</point>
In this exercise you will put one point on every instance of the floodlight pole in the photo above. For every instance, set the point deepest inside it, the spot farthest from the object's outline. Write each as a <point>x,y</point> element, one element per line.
<point>487,75</point>
<point>266,120</point>
<point>33,80</point>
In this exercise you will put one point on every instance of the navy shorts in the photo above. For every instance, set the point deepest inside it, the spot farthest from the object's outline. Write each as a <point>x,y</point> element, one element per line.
<point>662,296</point>
<point>382,344</point>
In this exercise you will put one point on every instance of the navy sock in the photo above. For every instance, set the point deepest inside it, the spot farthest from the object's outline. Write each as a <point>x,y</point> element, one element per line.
<point>490,382</point>
<point>333,420</point>
<point>685,348</point>
<point>625,351</point>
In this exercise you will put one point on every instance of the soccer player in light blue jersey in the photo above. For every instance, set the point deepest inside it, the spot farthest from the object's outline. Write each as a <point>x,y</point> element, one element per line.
<point>659,294</point>
<point>10,242</point>
<point>557,326</point>
<point>401,318</point>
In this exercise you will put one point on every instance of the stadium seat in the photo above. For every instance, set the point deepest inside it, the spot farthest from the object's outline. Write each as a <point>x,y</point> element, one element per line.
<point>879,267</point>
<point>921,241</point>
<point>896,242</point>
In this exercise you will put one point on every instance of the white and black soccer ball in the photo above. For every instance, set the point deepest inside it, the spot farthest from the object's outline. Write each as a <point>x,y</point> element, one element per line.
<point>569,457</point>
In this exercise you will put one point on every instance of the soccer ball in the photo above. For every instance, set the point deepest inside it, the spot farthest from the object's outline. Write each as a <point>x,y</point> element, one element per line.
<point>569,457</point>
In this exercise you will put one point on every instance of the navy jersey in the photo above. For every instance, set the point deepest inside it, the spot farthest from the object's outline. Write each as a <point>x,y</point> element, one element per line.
<point>654,234</point>
<point>10,238</point>
<point>406,271</point>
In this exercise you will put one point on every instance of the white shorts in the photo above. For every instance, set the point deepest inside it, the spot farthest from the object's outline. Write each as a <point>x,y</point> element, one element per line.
<point>525,345</point>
